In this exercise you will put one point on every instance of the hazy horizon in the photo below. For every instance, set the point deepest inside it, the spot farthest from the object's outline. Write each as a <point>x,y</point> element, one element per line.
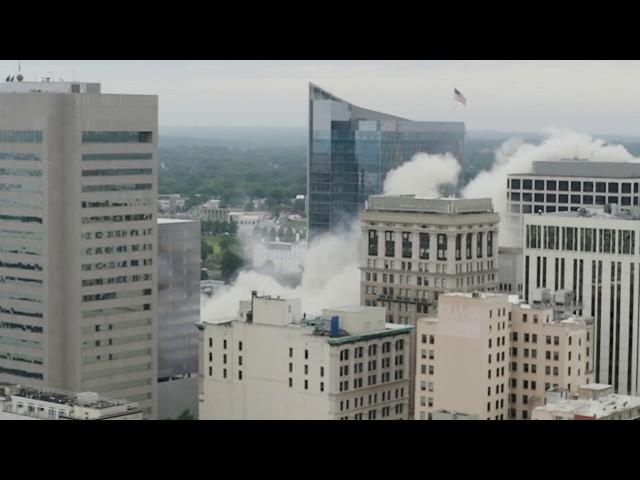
<point>515,95</point>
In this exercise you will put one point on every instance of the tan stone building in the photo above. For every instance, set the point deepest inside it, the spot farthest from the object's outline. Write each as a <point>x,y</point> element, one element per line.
<point>487,355</point>
<point>546,353</point>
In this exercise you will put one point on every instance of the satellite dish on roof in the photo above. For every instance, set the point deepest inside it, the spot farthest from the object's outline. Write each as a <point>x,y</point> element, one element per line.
<point>19,77</point>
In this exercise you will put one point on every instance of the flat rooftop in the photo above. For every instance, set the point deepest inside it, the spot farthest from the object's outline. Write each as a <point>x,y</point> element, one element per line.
<point>443,206</point>
<point>583,168</point>
<point>598,408</point>
<point>85,399</point>
<point>621,213</point>
<point>45,86</point>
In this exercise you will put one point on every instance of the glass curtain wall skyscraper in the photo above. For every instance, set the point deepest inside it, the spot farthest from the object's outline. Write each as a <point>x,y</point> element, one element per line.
<point>351,150</point>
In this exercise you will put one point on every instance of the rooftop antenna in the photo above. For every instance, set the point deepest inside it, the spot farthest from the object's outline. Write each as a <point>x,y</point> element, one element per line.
<point>19,77</point>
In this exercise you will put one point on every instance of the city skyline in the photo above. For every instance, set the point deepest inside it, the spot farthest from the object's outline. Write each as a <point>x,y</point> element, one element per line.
<point>564,94</point>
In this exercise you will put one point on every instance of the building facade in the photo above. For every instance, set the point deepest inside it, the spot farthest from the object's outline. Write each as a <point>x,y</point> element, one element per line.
<point>415,248</point>
<point>273,362</point>
<point>78,201</point>
<point>546,352</point>
<point>595,255</point>
<point>351,150</point>
<point>285,257</point>
<point>178,314</point>
<point>491,357</point>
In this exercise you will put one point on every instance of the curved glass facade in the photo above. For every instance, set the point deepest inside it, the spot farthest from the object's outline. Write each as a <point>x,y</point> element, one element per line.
<point>351,149</point>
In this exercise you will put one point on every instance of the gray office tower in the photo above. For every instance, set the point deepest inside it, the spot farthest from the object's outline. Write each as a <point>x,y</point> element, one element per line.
<point>78,200</point>
<point>178,313</point>
<point>351,150</point>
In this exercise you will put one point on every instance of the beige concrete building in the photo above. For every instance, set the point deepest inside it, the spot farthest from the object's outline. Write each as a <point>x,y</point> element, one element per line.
<point>34,403</point>
<point>490,356</point>
<point>594,401</point>
<point>273,362</point>
<point>78,201</point>
<point>546,351</point>
<point>462,358</point>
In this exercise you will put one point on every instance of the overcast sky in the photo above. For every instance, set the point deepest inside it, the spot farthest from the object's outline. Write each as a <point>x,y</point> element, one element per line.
<point>588,96</point>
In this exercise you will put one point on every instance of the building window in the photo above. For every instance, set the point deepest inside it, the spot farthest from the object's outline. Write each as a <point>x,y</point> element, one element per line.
<point>373,242</point>
<point>407,245</point>
<point>390,245</point>
<point>291,383</point>
<point>442,246</point>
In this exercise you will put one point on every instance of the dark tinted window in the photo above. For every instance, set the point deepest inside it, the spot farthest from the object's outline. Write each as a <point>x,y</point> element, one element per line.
<point>587,187</point>
<point>563,186</point>
<point>551,184</point>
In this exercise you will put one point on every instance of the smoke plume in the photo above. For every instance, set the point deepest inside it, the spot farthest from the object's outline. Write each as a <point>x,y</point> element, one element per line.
<point>423,175</point>
<point>515,156</point>
<point>331,278</point>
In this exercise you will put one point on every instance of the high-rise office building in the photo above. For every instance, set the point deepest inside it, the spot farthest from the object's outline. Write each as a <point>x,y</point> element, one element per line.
<point>567,185</point>
<point>178,314</point>
<point>274,362</point>
<point>595,255</point>
<point>78,199</point>
<point>351,149</point>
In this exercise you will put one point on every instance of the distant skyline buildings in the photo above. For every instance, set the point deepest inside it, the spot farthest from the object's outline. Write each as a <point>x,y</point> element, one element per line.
<point>565,94</point>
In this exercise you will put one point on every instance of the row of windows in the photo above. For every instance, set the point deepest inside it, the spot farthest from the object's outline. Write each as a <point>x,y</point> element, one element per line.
<point>118,249</point>
<point>20,326</point>
<point>115,280</point>
<point>117,188</point>
<point>21,218</point>
<point>21,296</point>
<point>104,312</point>
<point>116,295</point>
<point>424,239</point>
<point>20,342</point>
<point>21,172</point>
<point>116,137</point>
<point>117,234</point>
<point>116,156</point>
<point>20,265</point>
<point>574,186</point>
<point>20,156</point>
<point>20,249</point>
<point>372,350</point>
<point>562,198</point>
<point>20,136</point>
<point>21,373</point>
<point>131,202</point>
<point>602,240</point>
<point>115,172</point>
<point>20,357</point>
<point>138,217</point>
<point>11,280</point>
<point>20,311</point>
<point>87,267</point>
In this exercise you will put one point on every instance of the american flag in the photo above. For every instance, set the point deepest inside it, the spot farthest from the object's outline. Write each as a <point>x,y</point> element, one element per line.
<point>459,97</point>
